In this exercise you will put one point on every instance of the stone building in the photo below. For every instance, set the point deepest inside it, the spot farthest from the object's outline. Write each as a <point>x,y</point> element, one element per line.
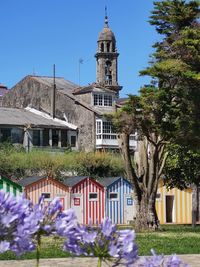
<point>3,91</point>
<point>82,106</point>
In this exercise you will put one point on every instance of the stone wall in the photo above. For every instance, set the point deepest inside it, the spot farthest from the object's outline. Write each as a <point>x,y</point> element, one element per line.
<point>30,92</point>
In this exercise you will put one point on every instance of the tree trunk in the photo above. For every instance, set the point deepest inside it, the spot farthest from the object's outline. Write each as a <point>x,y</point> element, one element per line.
<point>195,204</point>
<point>144,177</point>
<point>146,218</point>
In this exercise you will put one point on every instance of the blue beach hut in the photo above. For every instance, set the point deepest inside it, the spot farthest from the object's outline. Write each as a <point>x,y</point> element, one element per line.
<point>119,202</point>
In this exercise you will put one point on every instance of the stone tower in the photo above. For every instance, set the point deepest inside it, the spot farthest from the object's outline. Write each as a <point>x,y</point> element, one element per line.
<point>106,58</point>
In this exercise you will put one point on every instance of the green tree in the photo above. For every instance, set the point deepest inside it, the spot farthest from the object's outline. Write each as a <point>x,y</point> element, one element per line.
<point>182,171</point>
<point>168,109</point>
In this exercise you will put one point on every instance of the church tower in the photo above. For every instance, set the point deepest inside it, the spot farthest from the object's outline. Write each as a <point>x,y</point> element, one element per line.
<point>106,59</point>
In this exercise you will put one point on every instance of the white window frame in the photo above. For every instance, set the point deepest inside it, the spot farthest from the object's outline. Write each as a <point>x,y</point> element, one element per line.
<point>102,100</point>
<point>47,199</point>
<point>114,199</point>
<point>93,199</point>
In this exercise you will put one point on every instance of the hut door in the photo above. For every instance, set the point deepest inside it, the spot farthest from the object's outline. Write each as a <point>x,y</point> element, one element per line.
<point>62,201</point>
<point>77,206</point>
<point>129,210</point>
<point>170,209</point>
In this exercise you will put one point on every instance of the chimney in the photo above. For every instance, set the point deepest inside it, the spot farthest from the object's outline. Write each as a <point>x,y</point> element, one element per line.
<point>53,94</point>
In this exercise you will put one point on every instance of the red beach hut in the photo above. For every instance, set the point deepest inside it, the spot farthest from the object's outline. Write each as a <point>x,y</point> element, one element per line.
<point>87,199</point>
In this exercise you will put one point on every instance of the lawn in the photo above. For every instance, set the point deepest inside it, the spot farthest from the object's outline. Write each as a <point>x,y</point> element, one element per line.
<point>171,239</point>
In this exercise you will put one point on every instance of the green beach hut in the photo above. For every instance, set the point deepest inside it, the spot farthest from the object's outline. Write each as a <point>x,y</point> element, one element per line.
<point>8,185</point>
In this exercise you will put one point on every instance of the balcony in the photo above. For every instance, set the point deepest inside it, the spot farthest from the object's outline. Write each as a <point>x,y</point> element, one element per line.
<point>110,141</point>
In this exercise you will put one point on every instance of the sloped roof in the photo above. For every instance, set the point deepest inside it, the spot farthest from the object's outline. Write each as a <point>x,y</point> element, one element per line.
<point>61,83</point>
<point>71,181</point>
<point>63,86</point>
<point>92,87</point>
<point>14,183</point>
<point>22,117</point>
<point>106,181</point>
<point>30,180</point>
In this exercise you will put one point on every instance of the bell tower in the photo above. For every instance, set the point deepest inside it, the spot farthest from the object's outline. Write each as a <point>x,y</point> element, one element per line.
<point>106,59</point>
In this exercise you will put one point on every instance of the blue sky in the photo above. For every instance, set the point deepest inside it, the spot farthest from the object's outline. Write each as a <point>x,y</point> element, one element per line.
<point>35,34</point>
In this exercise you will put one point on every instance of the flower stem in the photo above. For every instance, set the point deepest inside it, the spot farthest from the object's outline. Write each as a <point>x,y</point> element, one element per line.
<point>38,238</point>
<point>99,262</point>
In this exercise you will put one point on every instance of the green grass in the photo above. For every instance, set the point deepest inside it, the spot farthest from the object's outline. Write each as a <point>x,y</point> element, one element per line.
<point>179,239</point>
<point>171,239</point>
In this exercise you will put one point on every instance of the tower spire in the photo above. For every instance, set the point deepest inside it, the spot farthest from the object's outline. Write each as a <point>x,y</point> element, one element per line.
<point>106,18</point>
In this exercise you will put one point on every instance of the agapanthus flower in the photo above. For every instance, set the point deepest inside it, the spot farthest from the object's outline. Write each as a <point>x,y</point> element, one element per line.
<point>13,212</point>
<point>159,260</point>
<point>21,222</point>
<point>103,241</point>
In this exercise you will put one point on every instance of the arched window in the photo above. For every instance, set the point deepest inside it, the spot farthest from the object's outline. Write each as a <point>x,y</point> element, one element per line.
<point>113,47</point>
<point>108,47</point>
<point>108,72</point>
<point>102,47</point>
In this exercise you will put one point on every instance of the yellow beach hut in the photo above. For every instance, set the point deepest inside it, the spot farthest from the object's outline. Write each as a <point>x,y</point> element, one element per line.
<point>174,205</point>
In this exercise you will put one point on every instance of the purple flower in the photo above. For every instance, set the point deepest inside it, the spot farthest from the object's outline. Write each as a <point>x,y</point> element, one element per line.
<point>173,261</point>
<point>21,222</point>
<point>4,246</point>
<point>107,227</point>
<point>89,237</point>
<point>159,260</point>
<point>104,242</point>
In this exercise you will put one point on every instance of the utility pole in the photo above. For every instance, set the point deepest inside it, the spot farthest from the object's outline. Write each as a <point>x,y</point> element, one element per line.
<point>53,100</point>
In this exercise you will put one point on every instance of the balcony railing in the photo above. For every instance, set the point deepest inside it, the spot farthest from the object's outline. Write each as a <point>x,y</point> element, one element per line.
<point>110,141</point>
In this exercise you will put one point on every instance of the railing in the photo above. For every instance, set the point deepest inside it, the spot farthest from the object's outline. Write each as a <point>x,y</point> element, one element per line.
<point>110,140</point>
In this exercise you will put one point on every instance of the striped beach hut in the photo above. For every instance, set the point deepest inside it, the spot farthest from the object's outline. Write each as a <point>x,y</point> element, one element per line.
<point>87,199</point>
<point>174,206</point>
<point>8,185</point>
<point>35,186</point>
<point>119,205</point>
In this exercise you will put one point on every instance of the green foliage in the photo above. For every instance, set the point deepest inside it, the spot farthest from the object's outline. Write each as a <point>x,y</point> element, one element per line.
<point>19,163</point>
<point>99,164</point>
<point>175,66</point>
<point>182,166</point>
<point>172,15</point>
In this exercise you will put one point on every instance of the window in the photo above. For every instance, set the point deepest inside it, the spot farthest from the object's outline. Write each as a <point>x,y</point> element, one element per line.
<point>93,196</point>
<point>107,100</point>
<point>98,100</point>
<point>17,135</point>
<point>5,134</point>
<point>102,47</point>
<point>103,100</point>
<point>77,201</point>
<point>73,141</point>
<point>98,127</point>
<point>46,195</point>
<point>158,197</point>
<point>108,47</point>
<point>113,196</point>
<point>107,127</point>
<point>129,201</point>
<point>36,137</point>
<point>108,72</point>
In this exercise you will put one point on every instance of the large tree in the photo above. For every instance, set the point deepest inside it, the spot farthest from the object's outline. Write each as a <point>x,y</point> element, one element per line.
<point>168,109</point>
<point>182,171</point>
